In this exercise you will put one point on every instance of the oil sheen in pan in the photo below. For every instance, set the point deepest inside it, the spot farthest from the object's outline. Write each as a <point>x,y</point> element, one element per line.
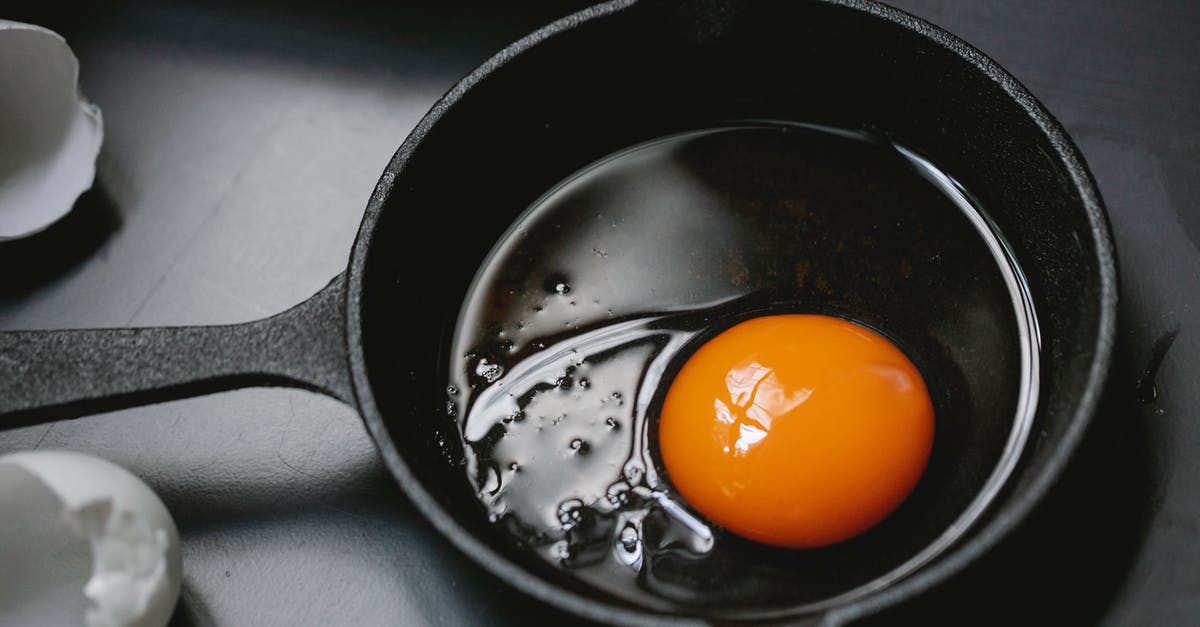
<point>571,329</point>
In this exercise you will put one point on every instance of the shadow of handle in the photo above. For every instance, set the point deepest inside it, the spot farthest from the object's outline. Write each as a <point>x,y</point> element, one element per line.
<point>53,375</point>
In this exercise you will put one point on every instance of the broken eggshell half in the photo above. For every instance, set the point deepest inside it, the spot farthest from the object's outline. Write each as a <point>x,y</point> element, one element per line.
<point>83,542</point>
<point>49,134</point>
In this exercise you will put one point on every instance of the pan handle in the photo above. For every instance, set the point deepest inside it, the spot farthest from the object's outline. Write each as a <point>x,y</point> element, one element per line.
<point>52,375</point>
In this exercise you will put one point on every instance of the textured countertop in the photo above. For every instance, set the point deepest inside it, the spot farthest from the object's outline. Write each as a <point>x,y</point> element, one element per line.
<point>242,142</point>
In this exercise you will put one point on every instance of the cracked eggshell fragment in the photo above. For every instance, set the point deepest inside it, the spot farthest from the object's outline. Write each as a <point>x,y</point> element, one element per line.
<point>49,134</point>
<point>83,542</point>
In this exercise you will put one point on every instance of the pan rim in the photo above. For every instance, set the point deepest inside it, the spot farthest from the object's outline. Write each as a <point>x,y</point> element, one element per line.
<point>952,560</point>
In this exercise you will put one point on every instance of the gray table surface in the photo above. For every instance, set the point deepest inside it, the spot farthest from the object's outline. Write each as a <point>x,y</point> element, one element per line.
<point>242,142</point>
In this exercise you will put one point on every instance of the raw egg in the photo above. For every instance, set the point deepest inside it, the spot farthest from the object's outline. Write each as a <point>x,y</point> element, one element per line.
<point>616,426</point>
<point>796,430</point>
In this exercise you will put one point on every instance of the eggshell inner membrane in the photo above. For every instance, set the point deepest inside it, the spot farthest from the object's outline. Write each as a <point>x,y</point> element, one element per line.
<point>95,546</point>
<point>51,135</point>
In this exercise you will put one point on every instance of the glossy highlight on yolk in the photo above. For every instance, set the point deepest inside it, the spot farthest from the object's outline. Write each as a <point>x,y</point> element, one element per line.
<point>796,430</point>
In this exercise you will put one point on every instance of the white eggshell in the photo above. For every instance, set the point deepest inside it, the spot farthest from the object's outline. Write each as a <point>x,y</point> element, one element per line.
<point>49,135</point>
<point>83,542</point>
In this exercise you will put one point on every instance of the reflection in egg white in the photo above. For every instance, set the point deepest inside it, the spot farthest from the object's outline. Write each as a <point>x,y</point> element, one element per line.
<point>582,402</point>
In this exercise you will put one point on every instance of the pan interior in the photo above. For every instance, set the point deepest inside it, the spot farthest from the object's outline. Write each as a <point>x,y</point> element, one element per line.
<point>591,300</point>
<point>629,73</point>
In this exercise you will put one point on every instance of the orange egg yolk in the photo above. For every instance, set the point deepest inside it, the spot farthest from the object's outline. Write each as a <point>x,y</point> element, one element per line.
<point>796,430</point>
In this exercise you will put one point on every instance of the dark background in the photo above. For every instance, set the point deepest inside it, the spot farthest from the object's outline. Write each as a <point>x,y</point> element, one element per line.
<point>242,142</point>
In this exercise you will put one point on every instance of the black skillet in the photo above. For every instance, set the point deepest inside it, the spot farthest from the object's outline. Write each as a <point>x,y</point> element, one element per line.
<point>600,80</point>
